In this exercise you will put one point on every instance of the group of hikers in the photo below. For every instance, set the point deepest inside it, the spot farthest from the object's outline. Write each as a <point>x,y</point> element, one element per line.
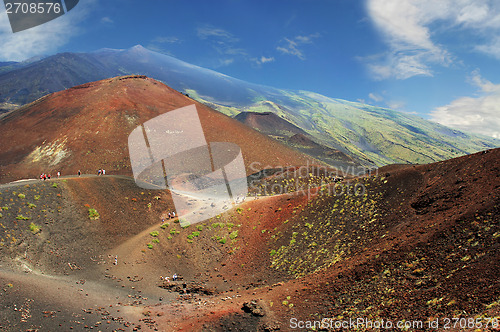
<point>45,176</point>
<point>171,215</point>
<point>167,279</point>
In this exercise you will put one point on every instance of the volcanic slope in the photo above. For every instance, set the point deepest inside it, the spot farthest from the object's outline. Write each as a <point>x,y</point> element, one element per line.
<point>416,243</point>
<point>280,129</point>
<point>86,128</point>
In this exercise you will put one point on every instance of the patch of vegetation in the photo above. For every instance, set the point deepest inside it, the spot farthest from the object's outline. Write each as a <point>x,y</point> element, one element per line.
<point>199,227</point>
<point>54,185</point>
<point>154,233</point>
<point>37,197</point>
<point>34,228</point>
<point>150,246</point>
<point>223,240</point>
<point>21,217</point>
<point>31,205</point>
<point>233,235</point>
<point>165,225</point>
<point>22,196</point>
<point>93,214</point>
<point>156,240</point>
<point>5,208</point>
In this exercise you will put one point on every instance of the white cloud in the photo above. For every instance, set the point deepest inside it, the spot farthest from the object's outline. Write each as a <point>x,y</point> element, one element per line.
<point>397,105</point>
<point>222,41</point>
<point>166,40</point>
<point>409,28</point>
<point>226,62</point>
<point>43,39</point>
<point>262,60</point>
<point>293,46</point>
<point>107,20</point>
<point>475,114</point>
<point>375,97</point>
<point>492,48</point>
<point>209,31</point>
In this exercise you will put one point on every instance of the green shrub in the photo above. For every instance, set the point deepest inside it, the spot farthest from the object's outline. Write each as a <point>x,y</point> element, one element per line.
<point>190,236</point>
<point>223,240</point>
<point>196,233</point>
<point>34,228</point>
<point>37,197</point>
<point>199,227</point>
<point>165,225</point>
<point>5,208</point>
<point>230,225</point>
<point>54,185</point>
<point>156,240</point>
<point>21,217</point>
<point>233,235</point>
<point>154,233</point>
<point>21,196</point>
<point>273,252</point>
<point>31,205</point>
<point>93,214</point>
<point>1,215</point>
<point>150,246</point>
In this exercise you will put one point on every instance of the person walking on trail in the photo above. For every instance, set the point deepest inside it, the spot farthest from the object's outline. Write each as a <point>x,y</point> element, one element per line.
<point>103,171</point>
<point>174,277</point>
<point>173,214</point>
<point>58,174</point>
<point>79,173</point>
<point>98,172</point>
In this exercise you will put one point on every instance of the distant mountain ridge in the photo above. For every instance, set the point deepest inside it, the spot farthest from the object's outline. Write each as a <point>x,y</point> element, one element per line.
<point>373,135</point>
<point>87,127</point>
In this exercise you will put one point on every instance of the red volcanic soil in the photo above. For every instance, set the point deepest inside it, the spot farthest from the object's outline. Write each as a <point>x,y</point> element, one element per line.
<point>87,127</point>
<point>417,243</point>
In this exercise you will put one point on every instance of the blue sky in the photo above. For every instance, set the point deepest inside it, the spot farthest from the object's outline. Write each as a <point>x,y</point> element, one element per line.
<point>438,59</point>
